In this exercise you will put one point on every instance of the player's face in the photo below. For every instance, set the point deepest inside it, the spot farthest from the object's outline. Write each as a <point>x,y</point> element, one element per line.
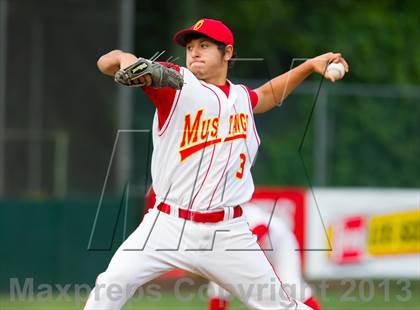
<point>205,60</point>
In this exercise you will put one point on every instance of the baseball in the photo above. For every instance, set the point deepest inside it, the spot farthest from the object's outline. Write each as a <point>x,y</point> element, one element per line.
<point>336,70</point>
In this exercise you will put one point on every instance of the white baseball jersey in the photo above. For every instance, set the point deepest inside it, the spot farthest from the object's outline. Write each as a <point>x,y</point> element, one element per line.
<point>204,151</point>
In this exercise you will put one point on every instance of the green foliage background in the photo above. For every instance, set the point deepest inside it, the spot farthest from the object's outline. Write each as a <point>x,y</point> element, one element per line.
<point>372,140</point>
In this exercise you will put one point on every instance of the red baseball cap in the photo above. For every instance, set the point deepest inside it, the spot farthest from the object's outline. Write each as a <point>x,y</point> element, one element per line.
<point>211,28</point>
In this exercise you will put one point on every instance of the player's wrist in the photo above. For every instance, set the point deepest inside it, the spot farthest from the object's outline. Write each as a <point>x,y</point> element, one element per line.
<point>126,59</point>
<point>310,65</point>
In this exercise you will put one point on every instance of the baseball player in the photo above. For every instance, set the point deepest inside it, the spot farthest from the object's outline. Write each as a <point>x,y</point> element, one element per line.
<point>279,244</point>
<point>205,141</point>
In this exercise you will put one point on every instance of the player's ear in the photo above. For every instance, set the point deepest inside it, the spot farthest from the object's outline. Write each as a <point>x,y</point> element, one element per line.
<point>228,52</point>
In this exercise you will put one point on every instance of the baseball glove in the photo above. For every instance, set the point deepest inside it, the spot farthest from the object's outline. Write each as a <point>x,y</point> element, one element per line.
<point>161,75</point>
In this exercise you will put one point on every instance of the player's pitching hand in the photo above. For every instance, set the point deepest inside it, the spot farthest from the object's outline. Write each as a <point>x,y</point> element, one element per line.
<point>320,63</point>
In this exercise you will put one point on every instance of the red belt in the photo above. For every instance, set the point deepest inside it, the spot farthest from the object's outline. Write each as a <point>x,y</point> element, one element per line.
<point>200,217</point>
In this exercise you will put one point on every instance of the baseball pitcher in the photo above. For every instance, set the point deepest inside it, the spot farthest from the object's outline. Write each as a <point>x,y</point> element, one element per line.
<point>205,141</point>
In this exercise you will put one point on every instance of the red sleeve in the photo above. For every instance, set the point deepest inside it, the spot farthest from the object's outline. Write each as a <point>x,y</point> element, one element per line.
<point>253,96</point>
<point>162,98</point>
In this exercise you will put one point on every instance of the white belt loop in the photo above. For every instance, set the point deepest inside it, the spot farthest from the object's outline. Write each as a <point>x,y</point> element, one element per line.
<point>231,212</point>
<point>228,214</point>
<point>225,214</point>
<point>174,211</point>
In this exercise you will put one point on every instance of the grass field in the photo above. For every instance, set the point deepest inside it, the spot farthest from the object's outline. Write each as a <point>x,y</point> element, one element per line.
<point>361,294</point>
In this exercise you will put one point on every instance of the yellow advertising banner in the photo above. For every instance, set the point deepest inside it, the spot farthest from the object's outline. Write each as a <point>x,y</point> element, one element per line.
<point>394,233</point>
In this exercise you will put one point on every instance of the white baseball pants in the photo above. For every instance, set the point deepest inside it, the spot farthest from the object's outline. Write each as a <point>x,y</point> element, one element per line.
<point>225,252</point>
<point>282,255</point>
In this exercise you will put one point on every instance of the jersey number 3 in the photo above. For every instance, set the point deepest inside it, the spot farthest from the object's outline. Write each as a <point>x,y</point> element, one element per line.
<point>240,173</point>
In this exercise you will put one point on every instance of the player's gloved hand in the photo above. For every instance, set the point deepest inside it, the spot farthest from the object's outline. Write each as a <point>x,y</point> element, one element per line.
<point>139,73</point>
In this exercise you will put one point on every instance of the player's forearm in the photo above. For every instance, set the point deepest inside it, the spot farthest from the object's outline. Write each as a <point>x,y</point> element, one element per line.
<point>111,62</point>
<point>276,90</point>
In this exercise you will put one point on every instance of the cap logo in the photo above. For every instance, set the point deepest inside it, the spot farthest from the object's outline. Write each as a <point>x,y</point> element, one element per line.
<point>198,24</point>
